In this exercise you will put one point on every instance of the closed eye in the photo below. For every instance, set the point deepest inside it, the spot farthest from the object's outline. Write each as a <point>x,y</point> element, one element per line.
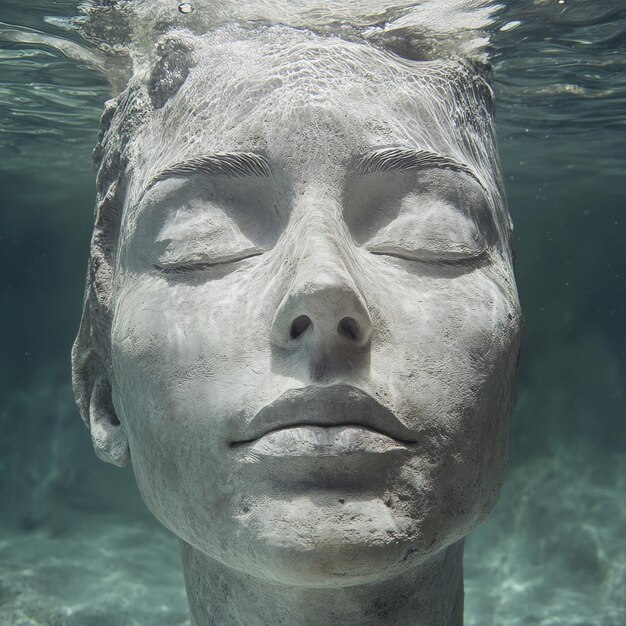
<point>470,260</point>
<point>200,266</point>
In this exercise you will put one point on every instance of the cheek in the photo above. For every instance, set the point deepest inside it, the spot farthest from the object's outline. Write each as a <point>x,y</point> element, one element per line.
<point>171,332</point>
<point>162,359</point>
<point>449,369</point>
<point>448,344</point>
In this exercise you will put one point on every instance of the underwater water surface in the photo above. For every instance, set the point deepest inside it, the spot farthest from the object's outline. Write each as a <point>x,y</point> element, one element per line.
<point>77,546</point>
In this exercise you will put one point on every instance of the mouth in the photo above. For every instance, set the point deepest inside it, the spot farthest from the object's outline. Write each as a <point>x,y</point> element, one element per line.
<point>324,422</point>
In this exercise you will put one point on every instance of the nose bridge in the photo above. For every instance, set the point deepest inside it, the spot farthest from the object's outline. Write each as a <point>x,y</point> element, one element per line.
<point>323,302</point>
<point>321,262</point>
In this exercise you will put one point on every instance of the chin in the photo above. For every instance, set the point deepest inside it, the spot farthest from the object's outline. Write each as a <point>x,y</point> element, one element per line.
<point>324,541</point>
<point>333,565</point>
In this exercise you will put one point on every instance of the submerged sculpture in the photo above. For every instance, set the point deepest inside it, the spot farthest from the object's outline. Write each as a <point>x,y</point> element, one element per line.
<point>301,321</point>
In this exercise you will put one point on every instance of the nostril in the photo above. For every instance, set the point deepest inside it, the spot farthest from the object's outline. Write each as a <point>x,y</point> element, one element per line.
<point>348,327</point>
<point>299,326</point>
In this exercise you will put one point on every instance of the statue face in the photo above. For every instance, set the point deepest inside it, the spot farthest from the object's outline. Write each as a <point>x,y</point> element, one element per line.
<point>315,324</point>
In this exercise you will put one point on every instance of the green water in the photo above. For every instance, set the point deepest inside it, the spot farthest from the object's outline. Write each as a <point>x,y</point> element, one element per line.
<point>77,546</point>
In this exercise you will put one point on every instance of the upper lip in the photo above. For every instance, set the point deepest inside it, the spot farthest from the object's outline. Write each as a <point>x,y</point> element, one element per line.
<point>338,405</point>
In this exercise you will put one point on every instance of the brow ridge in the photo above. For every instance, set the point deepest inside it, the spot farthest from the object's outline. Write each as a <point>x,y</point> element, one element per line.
<point>229,164</point>
<point>403,159</point>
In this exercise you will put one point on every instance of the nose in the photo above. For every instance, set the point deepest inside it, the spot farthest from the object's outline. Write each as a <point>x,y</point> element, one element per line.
<point>324,307</point>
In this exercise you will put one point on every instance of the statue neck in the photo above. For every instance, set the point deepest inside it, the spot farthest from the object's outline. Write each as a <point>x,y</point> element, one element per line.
<point>429,595</point>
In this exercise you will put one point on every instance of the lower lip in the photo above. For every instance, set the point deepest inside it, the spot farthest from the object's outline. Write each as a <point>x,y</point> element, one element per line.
<point>321,441</point>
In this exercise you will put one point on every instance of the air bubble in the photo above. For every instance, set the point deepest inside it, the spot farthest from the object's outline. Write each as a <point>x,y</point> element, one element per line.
<point>186,7</point>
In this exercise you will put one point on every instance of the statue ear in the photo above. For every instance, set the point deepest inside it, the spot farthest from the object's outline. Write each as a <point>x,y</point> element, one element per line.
<point>107,433</point>
<point>92,389</point>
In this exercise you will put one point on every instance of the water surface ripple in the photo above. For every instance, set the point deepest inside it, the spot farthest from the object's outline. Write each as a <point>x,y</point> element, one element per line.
<point>559,70</point>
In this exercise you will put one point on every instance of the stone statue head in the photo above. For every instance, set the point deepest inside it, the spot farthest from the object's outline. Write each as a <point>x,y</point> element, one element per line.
<point>301,324</point>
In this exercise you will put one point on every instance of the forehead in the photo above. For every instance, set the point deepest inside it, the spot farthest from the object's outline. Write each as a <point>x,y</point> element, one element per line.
<point>303,98</point>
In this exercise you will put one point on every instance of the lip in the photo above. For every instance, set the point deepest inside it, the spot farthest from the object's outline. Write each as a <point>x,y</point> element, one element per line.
<point>322,442</point>
<point>325,421</point>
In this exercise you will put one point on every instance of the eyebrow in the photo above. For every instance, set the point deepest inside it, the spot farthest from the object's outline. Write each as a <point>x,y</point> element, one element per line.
<point>406,159</point>
<point>226,164</point>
